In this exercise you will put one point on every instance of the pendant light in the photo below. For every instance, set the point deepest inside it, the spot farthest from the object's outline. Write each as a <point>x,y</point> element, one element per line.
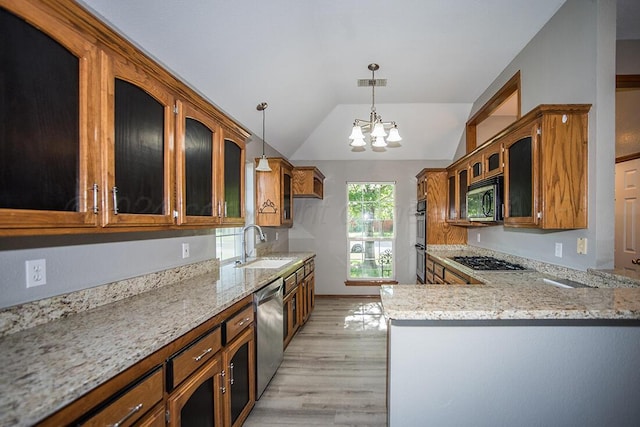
<point>263,164</point>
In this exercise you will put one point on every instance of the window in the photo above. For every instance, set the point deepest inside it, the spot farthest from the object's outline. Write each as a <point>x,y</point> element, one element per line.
<point>228,243</point>
<point>371,230</point>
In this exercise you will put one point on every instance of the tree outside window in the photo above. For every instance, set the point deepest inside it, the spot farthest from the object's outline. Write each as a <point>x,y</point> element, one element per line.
<point>370,230</point>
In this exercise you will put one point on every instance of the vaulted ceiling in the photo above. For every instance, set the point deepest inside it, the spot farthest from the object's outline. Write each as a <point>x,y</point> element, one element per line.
<point>304,59</point>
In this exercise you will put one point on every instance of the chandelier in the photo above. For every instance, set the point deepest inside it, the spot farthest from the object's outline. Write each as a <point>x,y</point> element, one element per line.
<point>375,126</point>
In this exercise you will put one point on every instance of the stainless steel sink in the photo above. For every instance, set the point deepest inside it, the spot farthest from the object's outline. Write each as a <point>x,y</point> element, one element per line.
<point>267,263</point>
<point>564,283</point>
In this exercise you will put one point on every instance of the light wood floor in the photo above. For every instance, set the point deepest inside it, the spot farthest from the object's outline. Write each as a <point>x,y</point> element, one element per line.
<point>334,370</point>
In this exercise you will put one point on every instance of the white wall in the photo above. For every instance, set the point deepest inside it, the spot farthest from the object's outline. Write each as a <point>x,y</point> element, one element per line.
<point>571,60</point>
<point>320,225</point>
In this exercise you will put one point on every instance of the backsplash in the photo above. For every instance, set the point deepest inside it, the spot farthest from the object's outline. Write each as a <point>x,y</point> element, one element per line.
<point>24,316</point>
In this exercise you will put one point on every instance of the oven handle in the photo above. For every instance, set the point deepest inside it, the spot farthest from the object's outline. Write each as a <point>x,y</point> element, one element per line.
<point>421,213</point>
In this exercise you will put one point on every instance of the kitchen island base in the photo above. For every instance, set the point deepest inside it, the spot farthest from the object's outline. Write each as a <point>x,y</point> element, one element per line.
<point>507,373</point>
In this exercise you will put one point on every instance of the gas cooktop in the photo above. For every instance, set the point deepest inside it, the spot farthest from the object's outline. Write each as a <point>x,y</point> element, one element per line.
<point>486,263</point>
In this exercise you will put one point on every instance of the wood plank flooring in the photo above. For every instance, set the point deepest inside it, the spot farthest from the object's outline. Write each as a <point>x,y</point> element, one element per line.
<point>334,370</point>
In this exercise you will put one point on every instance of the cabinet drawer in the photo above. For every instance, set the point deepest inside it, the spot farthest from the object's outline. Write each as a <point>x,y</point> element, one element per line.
<point>429,265</point>
<point>308,267</point>
<point>300,274</point>
<point>452,277</point>
<point>237,323</point>
<point>290,283</point>
<point>133,404</point>
<point>188,360</point>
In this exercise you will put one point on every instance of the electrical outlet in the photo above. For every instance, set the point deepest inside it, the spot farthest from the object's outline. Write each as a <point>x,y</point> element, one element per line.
<point>582,245</point>
<point>559,250</point>
<point>36,270</point>
<point>185,250</point>
<point>478,237</point>
<point>277,236</point>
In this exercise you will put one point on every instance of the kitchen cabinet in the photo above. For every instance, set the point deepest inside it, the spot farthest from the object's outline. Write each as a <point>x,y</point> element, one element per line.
<point>446,275</point>
<point>291,307</point>
<point>49,173</point>
<point>308,181</point>
<point>197,158</point>
<point>231,179</point>
<point>239,365</point>
<point>421,192</point>
<point>438,230</point>
<point>274,191</point>
<point>546,168</point>
<point>89,140</point>
<point>307,291</point>
<point>486,163</point>
<point>138,144</point>
<point>457,182</point>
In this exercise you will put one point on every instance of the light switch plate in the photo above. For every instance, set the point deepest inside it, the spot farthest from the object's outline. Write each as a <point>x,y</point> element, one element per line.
<point>559,250</point>
<point>185,250</point>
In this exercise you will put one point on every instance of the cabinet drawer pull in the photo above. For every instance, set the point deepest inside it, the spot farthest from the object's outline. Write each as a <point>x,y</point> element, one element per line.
<point>219,209</point>
<point>243,321</point>
<point>115,200</point>
<point>204,353</point>
<point>129,415</point>
<point>225,209</point>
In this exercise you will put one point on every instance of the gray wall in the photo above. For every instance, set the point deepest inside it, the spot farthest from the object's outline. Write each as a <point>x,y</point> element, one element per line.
<point>320,225</point>
<point>628,57</point>
<point>571,60</point>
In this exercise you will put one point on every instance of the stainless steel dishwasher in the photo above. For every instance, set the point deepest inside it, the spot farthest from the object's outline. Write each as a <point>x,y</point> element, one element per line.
<point>269,332</point>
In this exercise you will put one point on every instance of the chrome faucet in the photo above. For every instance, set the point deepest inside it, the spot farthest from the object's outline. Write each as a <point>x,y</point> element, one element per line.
<point>243,256</point>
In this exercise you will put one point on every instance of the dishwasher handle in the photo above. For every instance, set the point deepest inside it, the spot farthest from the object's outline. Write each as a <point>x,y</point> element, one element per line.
<point>269,292</point>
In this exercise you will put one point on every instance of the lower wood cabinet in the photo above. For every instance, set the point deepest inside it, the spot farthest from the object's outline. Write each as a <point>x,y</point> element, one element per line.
<point>437,273</point>
<point>239,372</point>
<point>291,317</point>
<point>299,299</point>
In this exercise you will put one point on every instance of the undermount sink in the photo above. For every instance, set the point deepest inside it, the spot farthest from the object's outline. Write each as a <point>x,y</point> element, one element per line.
<point>267,263</point>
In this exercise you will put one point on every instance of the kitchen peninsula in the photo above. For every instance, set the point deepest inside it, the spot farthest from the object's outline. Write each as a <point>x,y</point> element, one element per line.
<point>513,350</point>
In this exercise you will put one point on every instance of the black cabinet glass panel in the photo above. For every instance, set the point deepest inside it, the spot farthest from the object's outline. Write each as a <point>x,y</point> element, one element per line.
<point>139,150</point>
<point>476,169</point>
<point>39,119</point>
<point>286,200</point>
<point>240,387</point>
<point>452,197</point>
<point>294,310</point>
<point>520,179</point>
<point>463,182</point>
<point>198,149</point>
<point>285,320</point>
<point>232,179</point>
<point>199,410</point>
<point>493,162</point>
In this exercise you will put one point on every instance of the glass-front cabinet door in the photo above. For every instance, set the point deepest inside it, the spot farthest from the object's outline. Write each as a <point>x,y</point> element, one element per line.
<point>230,203</point>
<point>47,144</point>
<point>197,156</point>
<point>521,187</point>
<point>138,144</point>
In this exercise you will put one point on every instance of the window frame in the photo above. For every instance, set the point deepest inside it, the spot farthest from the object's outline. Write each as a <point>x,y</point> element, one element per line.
<point>351,280</point>
<point>225,232</point>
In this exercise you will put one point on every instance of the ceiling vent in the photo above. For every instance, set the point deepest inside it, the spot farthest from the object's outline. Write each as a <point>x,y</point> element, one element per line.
<point>371,82</point>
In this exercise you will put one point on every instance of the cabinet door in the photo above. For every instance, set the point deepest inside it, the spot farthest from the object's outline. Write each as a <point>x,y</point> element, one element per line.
<point>521,187</point>
<point>287,193</point>
<point>452,206</point>
<point>476,169</point>
<point>311,293</point>
<point>239,365</point>
<point>231,200</point>
<point>197,155</point>
<point>139,145</point>
<point>462,185</point>
<point>48,152</point>
<point>492,160</point>
<point>197,402</point>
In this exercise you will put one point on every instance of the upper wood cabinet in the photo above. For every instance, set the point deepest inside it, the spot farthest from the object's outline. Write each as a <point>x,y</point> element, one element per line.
<point>486,163</point>
<point>197,157</point>
<point>138,146</point>
<point>457,184</point>
<point>90,127</point>
<point>308,181</point>
<point>546,168</point>
<point>48,145</point>
<point>274,191</point>
<point>231,179</point>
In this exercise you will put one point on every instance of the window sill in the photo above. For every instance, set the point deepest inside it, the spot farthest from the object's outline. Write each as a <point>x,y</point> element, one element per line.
<point>370,282</point>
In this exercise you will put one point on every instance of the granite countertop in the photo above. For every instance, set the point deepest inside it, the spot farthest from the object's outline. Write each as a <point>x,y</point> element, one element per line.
<point>513,295</point>
<point>48,366</point>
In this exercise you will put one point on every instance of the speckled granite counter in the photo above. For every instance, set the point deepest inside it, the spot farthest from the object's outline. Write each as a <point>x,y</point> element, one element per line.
<point>513,295</point>
<point>48,366</point>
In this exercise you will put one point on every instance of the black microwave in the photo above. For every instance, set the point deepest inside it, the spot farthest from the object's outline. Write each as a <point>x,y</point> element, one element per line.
<point>484,200</point>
